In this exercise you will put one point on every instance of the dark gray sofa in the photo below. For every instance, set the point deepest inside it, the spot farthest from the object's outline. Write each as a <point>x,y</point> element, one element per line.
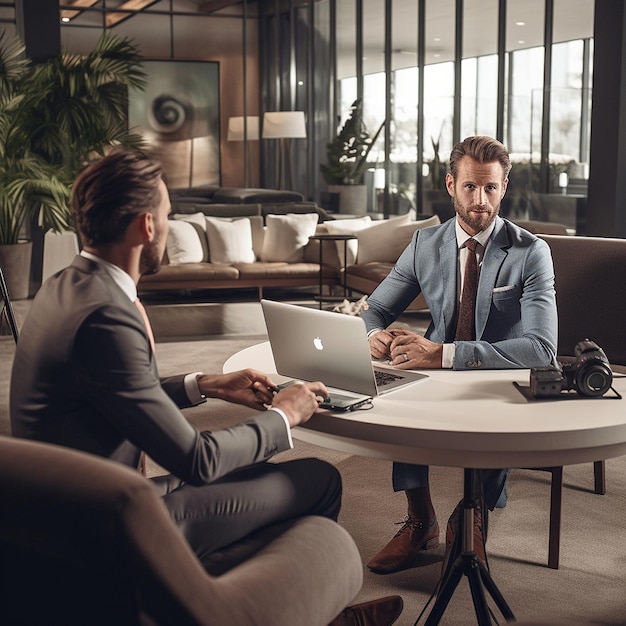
<point>211,194</point>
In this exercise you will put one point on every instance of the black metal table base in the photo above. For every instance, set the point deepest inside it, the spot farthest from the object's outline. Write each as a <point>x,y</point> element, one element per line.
<point>467,563</point>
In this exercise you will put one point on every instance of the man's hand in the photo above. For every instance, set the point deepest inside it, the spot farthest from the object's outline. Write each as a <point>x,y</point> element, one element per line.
<point>299,401</point>
<point>257,391</point>
<point>412,351</point>
<point>247,387</point>
<point>380,342</point>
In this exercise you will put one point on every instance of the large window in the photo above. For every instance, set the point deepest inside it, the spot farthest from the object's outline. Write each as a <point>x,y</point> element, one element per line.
<point>518,75</point>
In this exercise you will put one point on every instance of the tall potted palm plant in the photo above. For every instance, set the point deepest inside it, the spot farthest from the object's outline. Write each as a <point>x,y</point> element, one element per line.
<point>54,116</point>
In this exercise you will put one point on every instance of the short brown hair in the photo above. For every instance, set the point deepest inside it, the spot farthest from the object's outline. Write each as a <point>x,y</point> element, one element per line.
<point>482,149</point>
<point>110,192</point>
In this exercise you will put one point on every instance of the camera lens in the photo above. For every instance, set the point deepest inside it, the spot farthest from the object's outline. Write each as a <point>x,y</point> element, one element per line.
<point>594,380</point>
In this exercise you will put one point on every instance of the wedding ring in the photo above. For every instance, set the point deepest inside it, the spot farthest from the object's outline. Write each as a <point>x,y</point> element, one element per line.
<point>406,356</point>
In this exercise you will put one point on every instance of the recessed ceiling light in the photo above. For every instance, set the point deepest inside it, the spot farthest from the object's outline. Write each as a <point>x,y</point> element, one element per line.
<point>65,19</point>
<point>520,41</point>
<point>520,23</point>
<point>436,55</point>
<point>436,38</point>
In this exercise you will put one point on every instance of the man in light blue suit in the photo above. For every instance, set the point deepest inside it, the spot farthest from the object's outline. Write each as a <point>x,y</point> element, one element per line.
<point>514,320</point>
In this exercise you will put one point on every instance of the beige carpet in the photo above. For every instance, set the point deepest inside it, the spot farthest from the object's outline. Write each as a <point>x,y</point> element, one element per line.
<point>591,582</point>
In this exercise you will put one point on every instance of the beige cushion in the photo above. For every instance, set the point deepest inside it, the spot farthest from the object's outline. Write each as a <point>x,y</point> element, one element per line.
<point>199,223</point>
<point>230,241</point>
<point>183,243</point>
<point>195,218</point>
<point>346,227</point>
<point>287,235</point>
<point>385,242</point>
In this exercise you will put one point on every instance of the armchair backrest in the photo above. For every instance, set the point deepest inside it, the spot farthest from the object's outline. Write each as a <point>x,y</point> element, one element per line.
<point>87,541</point>
<point>590,293</point>
<point>84,540</point>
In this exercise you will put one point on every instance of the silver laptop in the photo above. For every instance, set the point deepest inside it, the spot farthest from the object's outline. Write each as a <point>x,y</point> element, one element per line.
<point>312,344</point>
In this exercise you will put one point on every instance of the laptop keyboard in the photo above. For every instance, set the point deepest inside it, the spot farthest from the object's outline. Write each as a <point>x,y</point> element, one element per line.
<point>385,378</point>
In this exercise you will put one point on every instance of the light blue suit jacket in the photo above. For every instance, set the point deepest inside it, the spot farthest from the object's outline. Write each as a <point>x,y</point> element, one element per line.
<point>516,316</point>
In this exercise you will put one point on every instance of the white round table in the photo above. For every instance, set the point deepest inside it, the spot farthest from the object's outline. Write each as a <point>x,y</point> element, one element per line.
<point>469,419</point>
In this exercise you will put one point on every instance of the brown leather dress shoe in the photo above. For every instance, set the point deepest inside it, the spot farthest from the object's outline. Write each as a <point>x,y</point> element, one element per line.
<point>401,552</point>
<point>454,540</point>
<point>381,612</point>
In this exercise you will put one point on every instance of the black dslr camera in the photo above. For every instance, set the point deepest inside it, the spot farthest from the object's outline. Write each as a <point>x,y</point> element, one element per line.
<point>590,374</point>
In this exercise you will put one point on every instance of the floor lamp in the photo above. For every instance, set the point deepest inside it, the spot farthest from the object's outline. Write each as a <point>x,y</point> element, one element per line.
<point>284,126</point>
<point>244,129</point>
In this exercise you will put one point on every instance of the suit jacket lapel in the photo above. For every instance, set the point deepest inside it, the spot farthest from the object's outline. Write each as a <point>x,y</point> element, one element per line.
<point>495,253</point>
<point>448,254</point>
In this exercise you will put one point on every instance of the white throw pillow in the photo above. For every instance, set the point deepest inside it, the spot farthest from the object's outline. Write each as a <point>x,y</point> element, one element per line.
<point>230,241</point>
<point>195,218</point>
<point>385,242</point>
<point>183,243</point>
<point>347,227</point>
<point>287,235</point>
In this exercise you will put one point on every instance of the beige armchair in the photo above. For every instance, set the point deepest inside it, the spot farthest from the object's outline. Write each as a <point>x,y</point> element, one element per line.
<point>591,301</point>
<point>86,541</point>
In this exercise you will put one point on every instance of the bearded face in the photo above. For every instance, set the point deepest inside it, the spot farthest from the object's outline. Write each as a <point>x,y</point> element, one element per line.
<point>153,251</point>
<point>151,255</point>
<point>477,192</point>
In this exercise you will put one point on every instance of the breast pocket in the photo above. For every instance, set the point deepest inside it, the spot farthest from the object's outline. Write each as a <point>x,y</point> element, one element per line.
<point>504,297</point>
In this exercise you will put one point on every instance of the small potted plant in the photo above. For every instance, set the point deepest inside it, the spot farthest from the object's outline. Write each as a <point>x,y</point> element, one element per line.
<point>346,161</point>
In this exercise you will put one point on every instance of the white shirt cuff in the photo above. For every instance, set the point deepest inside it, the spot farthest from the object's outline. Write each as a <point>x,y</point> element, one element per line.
<point>191,388</point>
<point>447,357</point>
<point>282,414</point>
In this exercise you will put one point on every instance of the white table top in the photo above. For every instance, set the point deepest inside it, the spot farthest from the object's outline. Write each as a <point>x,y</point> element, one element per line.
<point>466,419</point>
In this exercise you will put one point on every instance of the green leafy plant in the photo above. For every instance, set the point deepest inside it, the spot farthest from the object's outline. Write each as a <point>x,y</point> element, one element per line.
<point>54,117</point>
<point>346,154</point>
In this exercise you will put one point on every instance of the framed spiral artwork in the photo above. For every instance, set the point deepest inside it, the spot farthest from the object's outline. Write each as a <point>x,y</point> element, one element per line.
<point>178,116</point>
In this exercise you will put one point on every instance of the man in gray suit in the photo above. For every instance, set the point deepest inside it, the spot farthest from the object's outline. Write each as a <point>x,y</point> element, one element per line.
<point>85,376</point>
<point>513,322</point>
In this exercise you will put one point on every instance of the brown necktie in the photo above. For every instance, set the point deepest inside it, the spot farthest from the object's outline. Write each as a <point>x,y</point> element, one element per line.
<point>465,330</point>
<point>146,321</point>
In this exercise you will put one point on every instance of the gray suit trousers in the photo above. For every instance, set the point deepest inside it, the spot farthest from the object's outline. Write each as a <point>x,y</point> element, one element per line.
<point>230,519</point>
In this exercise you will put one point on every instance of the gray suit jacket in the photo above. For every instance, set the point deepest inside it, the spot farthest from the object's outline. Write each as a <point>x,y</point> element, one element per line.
<point>84,376</point>
<point>516,316</point>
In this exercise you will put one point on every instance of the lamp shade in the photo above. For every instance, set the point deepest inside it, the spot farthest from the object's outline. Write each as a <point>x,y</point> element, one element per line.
<point>236,128</point>
<point>284,125</point>
<point>379,178</point>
